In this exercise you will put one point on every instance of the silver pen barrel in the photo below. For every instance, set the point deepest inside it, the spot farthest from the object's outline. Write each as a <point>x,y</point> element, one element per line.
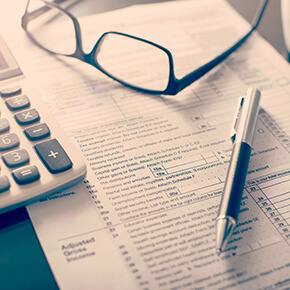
<point>238,167</point>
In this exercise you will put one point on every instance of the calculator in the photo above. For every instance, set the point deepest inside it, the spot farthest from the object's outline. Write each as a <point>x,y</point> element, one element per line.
<point>36,157</point>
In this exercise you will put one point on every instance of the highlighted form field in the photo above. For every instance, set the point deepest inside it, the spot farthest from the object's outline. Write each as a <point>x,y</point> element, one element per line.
<point>175,164</point>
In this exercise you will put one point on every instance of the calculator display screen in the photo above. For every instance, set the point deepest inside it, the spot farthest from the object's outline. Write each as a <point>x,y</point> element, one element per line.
<point>3,63</point>
<point>8,65</point>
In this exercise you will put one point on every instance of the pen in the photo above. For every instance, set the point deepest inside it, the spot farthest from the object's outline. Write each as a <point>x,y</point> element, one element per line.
<point>242,136</point>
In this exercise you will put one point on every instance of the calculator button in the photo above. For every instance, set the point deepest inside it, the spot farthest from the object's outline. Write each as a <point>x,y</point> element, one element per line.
<point>53,156</point>
<point>4,183</point>
<point>16,158</point>
<point>9,141</point>
<point>9,92</point>
<point>27,117</point>
<point>4,125</point>
<point>17,103</point>
<point>26,174</point>
<point>37,132</point>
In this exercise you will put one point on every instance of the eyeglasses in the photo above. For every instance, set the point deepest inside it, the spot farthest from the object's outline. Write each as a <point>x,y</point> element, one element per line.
<point>44,21</point>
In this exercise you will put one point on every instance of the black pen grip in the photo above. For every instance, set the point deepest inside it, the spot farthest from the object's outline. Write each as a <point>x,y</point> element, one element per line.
<point>235,180</point>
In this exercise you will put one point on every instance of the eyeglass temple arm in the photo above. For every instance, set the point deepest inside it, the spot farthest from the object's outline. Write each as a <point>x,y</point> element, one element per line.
<point>195,75</point>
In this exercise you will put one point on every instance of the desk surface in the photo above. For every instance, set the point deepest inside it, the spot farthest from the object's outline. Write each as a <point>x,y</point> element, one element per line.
<point>22,262</point>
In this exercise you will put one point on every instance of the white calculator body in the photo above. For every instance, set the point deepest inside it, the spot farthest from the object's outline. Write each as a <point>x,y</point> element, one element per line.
<point>36,157</point>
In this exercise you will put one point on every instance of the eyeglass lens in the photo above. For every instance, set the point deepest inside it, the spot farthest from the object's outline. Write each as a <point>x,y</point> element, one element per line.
<point>51,28</point>
<point>133,61</point>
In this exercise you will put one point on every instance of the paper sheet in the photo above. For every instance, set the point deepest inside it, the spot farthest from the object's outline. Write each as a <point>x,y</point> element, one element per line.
<point>145,216</point>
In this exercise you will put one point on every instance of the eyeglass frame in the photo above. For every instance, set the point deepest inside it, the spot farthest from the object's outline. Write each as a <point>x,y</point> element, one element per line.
<point>174,85</point>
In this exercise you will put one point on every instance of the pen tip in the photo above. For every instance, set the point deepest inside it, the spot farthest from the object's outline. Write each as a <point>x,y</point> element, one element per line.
<point>218,251</point>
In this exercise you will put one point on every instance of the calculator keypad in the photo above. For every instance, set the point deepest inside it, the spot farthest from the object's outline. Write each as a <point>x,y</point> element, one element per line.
<point>9,92</point>
<point>17,103</point>
<point>4,183</point>
<point>26,174</point>
<point>27,117</point>
<point>9,141</point>
<point>50,152</point>
<point>4,125</point>
<point>16,158</point>
<point>53,156</point>
<point>37,132</point>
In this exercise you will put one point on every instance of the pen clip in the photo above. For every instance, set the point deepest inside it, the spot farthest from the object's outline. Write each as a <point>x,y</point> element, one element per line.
<point>236,118</point>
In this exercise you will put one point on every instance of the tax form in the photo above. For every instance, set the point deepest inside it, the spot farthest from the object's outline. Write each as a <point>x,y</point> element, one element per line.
<point>145,216</point>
